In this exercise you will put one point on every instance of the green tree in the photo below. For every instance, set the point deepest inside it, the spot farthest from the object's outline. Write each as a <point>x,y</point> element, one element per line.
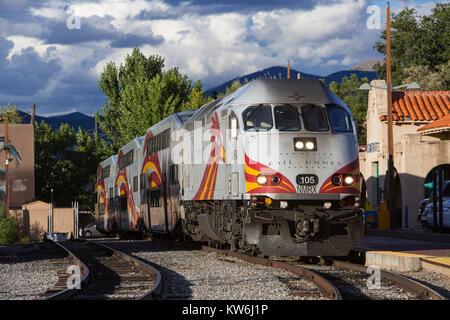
<point>356,100</point>
<point>196,97</point>
<point>88,153</point>
<point>11,112</point>
<point>236,84</point>
<point>417,41</point>
<point>140,94</point>
<point>54,163</point>
<point>67,162</point>
<point>427,78</point>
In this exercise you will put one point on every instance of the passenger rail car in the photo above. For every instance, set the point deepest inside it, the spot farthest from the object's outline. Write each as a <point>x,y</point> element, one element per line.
<point>272,169</point>
<point>105,209</point>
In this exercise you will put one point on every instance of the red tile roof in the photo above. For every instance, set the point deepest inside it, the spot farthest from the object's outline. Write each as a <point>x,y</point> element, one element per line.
<point>438,124</point>
<point>419,105</point>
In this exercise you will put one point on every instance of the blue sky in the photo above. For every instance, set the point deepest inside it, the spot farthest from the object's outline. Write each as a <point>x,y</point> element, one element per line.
<point>53,52</point>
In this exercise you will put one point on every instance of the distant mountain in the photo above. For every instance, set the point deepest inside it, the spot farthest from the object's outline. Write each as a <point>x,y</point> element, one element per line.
<point>367,65</point>
<point>278,72</point>
<point>74,119</point>
<point>337,76</point>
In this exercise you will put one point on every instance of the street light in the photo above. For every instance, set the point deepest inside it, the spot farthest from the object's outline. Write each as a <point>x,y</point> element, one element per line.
<point>408,86</point>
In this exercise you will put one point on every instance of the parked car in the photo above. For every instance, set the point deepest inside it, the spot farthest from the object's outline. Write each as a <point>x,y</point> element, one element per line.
<point>91,231</point>
<point>422,214</point>
<point>445,213</point>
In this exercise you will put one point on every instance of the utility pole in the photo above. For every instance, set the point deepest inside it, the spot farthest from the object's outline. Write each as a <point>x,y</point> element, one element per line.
<point>390,188</point>
<point>289,69</point>
<point>6,167</point>
<point>96,127</point>
<point>33,113</point>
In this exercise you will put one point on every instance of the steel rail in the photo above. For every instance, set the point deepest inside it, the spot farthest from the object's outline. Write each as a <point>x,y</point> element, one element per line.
<point>324,285</point>
<point>422,291</point>
<point>142,266</point>
<point>67,292</point>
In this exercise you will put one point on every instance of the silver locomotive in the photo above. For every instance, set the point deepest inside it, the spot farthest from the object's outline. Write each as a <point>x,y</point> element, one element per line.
<point>271,169</point>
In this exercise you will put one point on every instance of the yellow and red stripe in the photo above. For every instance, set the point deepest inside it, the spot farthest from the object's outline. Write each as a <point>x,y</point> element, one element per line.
<point>353,169</point>
<point>253,169</point>
<point>208,183</point>
<point>123,184</point>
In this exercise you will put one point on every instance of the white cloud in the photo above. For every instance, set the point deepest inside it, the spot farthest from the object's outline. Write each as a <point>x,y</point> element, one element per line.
<point>222,46</point>
<point>212,47</point>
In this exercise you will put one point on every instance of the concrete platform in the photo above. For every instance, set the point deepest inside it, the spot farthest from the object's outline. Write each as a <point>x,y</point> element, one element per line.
<point>410,234</point>
<point>405,254</point>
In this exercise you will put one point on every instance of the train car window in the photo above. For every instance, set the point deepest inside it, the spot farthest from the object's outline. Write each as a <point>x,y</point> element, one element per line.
<point>105,172</point>
<point>155,196</point>
<point>123,204</point>
<point>142,182</point>
<point>257,118</point>
<point>314,118</point>
<point>168,138</point>
<point>286,118</point>
<point>174,174</point>
<point>135,184</point>
<point>149,146</point>
<point>339,118</point>
<point>126,160</point>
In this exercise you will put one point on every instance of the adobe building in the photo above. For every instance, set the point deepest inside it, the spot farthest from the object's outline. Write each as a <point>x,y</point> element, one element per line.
<point>22,178</point>
<point>33,220</point>
<point>421,135</point>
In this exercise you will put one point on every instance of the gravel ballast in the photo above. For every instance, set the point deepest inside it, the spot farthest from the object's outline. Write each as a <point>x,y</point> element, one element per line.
<point>26,271</point>
<point>201,275</point>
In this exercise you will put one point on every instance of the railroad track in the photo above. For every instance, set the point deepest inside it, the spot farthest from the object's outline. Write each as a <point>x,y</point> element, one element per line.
<point>352,281</point>
<point>326,287</point>
<point>105,274</point>
<point>340,280</point>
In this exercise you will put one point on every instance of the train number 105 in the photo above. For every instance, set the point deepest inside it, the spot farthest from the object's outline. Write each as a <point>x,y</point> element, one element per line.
<point>307,179</point>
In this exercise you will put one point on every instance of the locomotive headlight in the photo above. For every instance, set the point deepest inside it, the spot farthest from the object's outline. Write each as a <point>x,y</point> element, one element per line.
<point>309,145</point>
<point>349,180</point>
<point>336,180</point>
<point>261,179</point>
<point>299,145</point>
<point>275,179</point>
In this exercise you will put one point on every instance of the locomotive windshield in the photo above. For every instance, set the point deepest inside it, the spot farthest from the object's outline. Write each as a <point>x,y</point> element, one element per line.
<point>258,118</point>
<point>314,118</point>
<point>286,118</point>
<point>339,118</point>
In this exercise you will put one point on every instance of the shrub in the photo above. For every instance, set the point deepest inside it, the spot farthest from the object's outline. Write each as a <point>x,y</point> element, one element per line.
<point>9,230</point>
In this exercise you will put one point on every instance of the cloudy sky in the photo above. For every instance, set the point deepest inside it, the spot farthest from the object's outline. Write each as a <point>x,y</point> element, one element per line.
<point>52,52</point>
